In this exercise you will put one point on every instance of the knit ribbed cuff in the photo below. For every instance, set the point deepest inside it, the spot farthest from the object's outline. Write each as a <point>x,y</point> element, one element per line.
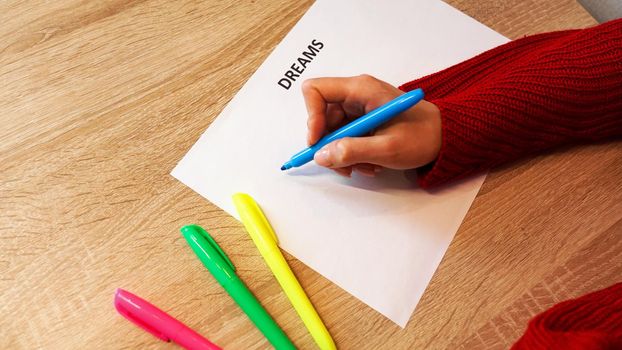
<point>454,161</point>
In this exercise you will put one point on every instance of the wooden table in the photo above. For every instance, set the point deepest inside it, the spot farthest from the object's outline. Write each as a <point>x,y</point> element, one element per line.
<point>100,99</point>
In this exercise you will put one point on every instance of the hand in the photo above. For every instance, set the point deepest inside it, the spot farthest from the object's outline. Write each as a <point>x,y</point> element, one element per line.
<point>410,140</point>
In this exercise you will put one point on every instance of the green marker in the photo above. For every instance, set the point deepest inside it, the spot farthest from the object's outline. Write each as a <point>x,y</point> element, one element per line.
<point>223,270</point>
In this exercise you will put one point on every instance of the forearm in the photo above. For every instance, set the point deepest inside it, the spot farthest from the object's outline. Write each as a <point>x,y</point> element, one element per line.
<point>526,96</point>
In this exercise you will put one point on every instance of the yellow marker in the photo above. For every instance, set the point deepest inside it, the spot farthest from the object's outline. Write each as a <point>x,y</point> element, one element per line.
<point>265,239</point>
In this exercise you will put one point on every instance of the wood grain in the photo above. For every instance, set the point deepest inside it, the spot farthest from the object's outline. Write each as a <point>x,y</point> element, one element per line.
<point>100,100</point>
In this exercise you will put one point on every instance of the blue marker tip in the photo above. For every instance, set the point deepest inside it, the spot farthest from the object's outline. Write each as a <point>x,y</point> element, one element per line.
<point>286,166</point>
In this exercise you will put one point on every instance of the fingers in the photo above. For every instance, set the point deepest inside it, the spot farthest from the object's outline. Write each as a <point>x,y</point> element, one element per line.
<point>318,93</point>
<point>369,170</point>
<point>330,103</point>
<point>316,109</point>
<point>324,98</point>
<point>366,169</point>
<point>332,90</point>
<point>354,151</point>
<point>346,172</point>
<point>335,116</point>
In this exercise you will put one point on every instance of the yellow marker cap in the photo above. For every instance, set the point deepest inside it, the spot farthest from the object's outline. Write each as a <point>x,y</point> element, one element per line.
<point>266,241</point>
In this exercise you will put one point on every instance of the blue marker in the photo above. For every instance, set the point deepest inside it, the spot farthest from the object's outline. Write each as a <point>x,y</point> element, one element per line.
<point>359,127</point>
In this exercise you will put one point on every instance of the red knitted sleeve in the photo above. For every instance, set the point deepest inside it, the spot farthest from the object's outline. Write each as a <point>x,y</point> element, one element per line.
<point>593,321</point>
<point>526,96</point>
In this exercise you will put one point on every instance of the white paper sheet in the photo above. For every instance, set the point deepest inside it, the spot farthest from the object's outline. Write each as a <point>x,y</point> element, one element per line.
<point>379,239</point>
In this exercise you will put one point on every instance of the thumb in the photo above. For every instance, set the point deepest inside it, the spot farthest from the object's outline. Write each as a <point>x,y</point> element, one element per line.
<point>353,150</point>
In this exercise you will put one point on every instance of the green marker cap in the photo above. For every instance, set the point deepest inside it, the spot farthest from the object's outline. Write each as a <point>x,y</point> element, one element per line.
<point>210,254</point>
<point>218,263</point>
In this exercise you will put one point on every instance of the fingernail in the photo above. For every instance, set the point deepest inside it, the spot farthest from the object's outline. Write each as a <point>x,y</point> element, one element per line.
<point>348,175</point>
<point>322,157</point>
<point>366,172</point>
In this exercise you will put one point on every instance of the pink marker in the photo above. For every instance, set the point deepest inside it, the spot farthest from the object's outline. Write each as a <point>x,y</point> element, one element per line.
<point>159,323</point>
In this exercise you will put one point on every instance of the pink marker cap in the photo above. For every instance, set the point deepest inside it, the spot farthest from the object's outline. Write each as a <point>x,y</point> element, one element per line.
<point>157,322</point>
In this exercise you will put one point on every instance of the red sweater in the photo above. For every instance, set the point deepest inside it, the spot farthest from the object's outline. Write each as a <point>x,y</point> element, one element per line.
<point>524,97</point>
<point>521,98</point>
